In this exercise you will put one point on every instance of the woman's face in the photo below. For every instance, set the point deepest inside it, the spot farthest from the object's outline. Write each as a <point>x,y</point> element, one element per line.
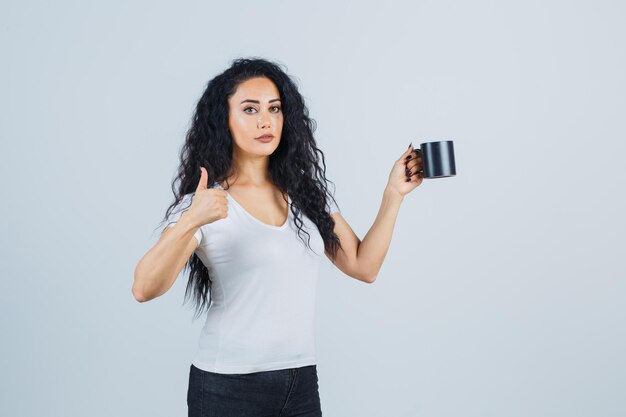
<point>255,110</point>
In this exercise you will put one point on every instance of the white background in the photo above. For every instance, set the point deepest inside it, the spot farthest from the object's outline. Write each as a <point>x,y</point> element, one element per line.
<point>503,290</point>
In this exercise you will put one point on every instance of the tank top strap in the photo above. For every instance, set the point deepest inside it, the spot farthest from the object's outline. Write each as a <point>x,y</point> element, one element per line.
<point>217,185</point>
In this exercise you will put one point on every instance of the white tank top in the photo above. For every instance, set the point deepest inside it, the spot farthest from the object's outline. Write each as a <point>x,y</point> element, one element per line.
<point>262,313</point>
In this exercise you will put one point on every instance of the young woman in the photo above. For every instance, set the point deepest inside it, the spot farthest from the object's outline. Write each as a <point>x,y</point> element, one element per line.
<point>251,219</point>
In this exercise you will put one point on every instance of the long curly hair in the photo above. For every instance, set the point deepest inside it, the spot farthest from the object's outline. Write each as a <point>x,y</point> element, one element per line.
<point>294,167</point>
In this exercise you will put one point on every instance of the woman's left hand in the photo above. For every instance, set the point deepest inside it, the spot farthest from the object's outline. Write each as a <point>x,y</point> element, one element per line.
<point>404,176</point>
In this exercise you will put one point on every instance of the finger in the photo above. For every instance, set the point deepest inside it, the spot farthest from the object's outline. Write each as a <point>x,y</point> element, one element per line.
<point>411,154</point>
<point>204,180</point>
<point>414,163</point>
<point>408,152</point>
<point>413,170</point>
<point>415,176</point>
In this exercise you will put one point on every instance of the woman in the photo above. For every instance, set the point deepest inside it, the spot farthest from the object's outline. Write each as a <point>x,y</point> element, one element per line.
<point>251,188</point>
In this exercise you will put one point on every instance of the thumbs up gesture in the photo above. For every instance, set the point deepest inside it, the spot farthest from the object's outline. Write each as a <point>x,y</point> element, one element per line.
<point>208,204</point>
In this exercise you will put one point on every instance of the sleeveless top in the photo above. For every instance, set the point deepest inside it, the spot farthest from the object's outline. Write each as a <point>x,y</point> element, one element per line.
<point>262,311</point>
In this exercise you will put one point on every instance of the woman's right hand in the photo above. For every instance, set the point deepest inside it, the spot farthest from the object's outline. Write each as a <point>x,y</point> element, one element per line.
<point>208,204</point>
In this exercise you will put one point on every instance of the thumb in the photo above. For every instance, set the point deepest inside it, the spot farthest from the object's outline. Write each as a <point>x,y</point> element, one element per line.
<point>204,180</point>
<point>408,152</point>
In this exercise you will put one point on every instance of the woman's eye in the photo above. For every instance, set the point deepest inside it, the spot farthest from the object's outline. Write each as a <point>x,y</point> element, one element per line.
<point>252,108</point>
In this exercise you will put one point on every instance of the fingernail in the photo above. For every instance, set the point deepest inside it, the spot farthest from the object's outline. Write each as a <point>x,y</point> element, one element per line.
<point>410,145</point>
<point>408,157</point>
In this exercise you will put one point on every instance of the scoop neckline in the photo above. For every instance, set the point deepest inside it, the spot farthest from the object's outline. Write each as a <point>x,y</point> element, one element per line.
<point>271,226</point>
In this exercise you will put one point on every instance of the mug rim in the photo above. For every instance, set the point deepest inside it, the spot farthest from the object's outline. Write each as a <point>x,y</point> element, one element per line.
<point>436,141</point>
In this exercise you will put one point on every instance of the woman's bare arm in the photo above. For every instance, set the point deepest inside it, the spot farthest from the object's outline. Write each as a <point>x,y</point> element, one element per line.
<point>158,269</point>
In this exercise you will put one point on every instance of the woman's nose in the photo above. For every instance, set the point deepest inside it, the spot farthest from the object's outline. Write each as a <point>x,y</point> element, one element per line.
<point>264,119</point>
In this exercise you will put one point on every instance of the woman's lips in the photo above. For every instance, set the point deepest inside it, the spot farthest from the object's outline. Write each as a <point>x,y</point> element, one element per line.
<point>265,139</point>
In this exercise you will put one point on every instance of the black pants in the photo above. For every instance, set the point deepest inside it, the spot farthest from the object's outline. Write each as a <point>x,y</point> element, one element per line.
<point>279,393</point>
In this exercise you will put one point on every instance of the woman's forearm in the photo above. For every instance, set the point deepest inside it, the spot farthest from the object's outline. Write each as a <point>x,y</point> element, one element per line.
<point>373,248</point>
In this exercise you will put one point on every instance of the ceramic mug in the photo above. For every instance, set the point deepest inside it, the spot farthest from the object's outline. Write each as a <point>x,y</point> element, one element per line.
<point>437,159</point>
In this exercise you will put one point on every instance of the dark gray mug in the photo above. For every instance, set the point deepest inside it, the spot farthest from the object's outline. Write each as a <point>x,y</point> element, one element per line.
<point>437,159</point>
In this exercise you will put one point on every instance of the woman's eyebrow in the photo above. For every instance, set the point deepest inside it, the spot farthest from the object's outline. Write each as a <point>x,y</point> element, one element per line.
<point>257,101</point>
